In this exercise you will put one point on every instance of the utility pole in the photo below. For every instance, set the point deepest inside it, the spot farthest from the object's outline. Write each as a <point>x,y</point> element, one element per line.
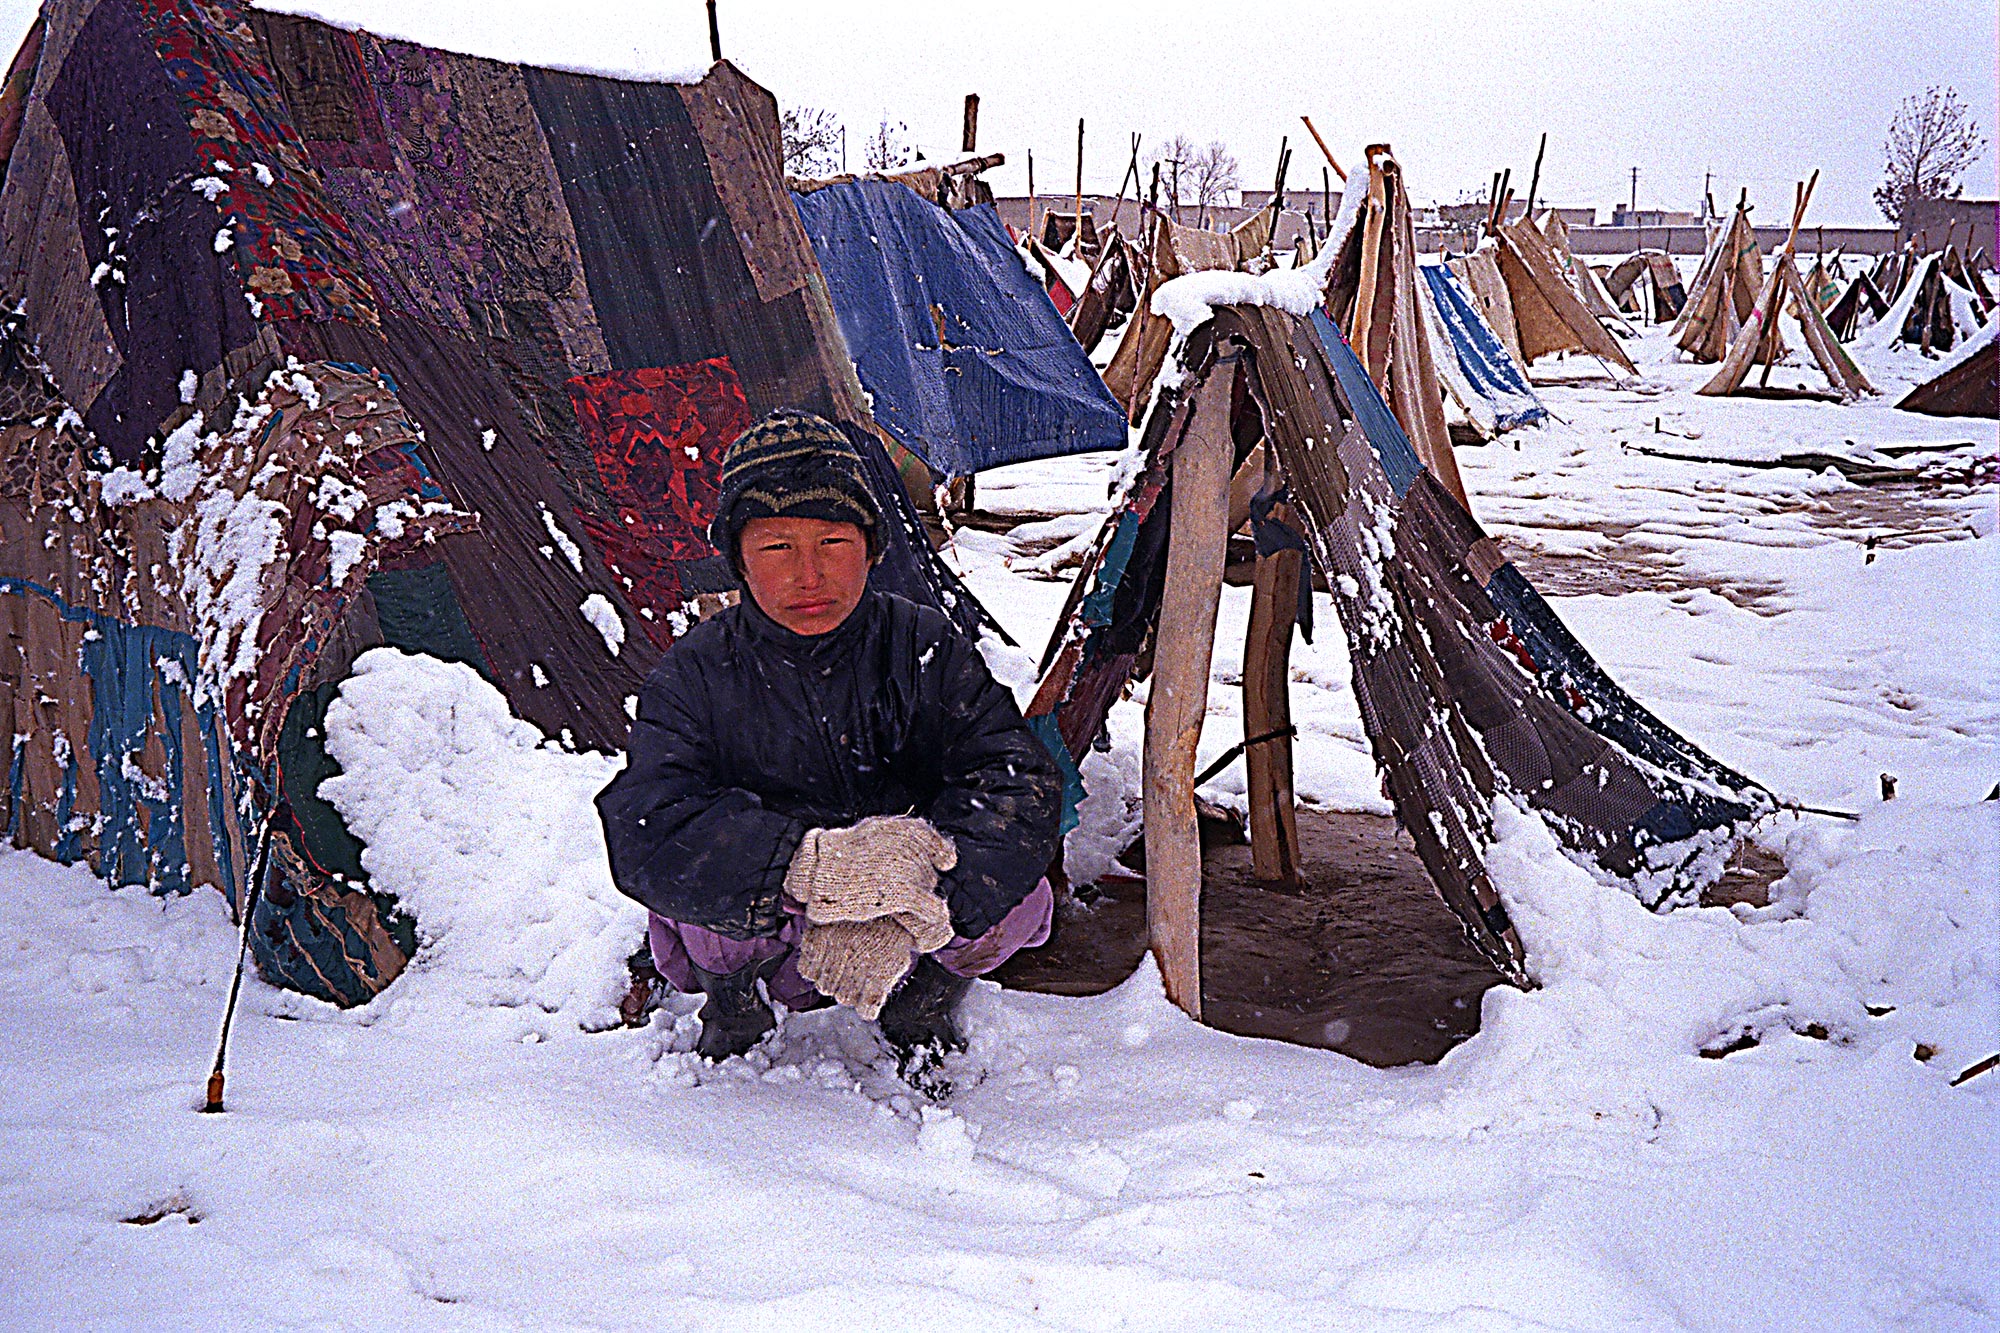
<point>1634,209</point>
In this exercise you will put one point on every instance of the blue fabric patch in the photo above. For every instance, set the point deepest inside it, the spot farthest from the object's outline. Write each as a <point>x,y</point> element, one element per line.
<point>1096,611</point>
<point>1482,359</point>
<point>129,666</point>
<point>1045,731</point>
<point>968,363</point>
<point>1392,447</point>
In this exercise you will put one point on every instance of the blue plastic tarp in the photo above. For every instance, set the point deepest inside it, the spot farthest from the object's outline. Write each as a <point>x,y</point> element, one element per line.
<point>967,362</point>
<point>1482,359</point>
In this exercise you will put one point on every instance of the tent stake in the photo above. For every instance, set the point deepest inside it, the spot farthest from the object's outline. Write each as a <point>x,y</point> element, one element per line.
<point>260,863</point>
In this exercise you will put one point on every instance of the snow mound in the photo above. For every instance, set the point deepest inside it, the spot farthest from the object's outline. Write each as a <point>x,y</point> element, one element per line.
<point>487,833</point>
<point>1879,942</point>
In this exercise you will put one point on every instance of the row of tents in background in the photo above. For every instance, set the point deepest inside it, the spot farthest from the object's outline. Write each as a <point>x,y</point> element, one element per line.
<point>1523,294</point>
<point>315,342</point>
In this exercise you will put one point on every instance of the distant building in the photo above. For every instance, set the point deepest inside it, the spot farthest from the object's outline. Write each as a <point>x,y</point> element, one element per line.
<point>1968,223</point>
<point>1622,216</point>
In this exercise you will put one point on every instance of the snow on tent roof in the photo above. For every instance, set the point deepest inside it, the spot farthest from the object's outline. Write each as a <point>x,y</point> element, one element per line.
<point>965,360</point>
<point>317,341</point>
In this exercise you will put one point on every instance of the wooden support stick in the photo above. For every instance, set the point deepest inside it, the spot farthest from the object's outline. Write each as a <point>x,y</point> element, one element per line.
<point>1178,701</point>
<point>1324,149</point>
<point>1535,181</point>
<point>1032,229</point>
<point>1077,249</point>
<point>1267,708</point>
<point>970,142</point>
<point>714,34</point>
<point>1131,174</point>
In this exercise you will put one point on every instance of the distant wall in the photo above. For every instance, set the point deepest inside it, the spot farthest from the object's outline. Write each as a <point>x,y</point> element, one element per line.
<point>1694,240</point>
<point>1935,218</point>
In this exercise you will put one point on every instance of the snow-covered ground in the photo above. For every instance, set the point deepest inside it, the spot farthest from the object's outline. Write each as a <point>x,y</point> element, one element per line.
<point>483,1147</point>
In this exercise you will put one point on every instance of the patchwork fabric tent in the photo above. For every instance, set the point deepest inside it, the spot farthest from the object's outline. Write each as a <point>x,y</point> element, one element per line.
<point>1761,339</point>
<point>1967,383</point>
<point>1469,685</point>
<point>317,341</point>
<point>1724,291</point>
<point>1935,308</point>
<point>1110,293</point>
<point>965,361</point>
<point>1857,300</point>
<point>1651,273</point>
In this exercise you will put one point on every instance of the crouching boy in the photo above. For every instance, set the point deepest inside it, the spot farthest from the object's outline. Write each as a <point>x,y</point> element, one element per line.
<point>826,790</point>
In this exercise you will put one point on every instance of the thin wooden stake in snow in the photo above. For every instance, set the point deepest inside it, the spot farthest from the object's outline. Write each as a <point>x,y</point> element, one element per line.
<point>260,863</point>
<point>714,34</point>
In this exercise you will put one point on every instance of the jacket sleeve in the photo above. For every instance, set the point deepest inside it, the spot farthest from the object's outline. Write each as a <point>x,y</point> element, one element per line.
<point>682,841</point>
<point>1001,797</point>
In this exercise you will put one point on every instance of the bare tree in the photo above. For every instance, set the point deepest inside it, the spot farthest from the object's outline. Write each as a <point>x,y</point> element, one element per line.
<point>1175,159</point>
<point>1216,177</point>
<point>812,141</point>
<point>888,147</point>
<point>1931,141</point>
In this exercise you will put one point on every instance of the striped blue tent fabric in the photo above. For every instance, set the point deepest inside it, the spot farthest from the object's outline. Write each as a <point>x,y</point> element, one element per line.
<point>1482,360</point>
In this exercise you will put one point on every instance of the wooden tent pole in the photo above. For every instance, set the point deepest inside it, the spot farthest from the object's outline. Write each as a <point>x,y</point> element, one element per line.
<point>1196,548</point>
<point>1535,181</point>
<point>1324,149</point>
<point>1033,230</point>
<point>1078,248</point>
<point>969,139</point>
<point>1131,174</point>
<point>1267,708</point>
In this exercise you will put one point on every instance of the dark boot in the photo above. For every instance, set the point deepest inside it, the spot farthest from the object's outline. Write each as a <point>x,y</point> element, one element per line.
<point>920,1023</point>
<point>736,1016</point>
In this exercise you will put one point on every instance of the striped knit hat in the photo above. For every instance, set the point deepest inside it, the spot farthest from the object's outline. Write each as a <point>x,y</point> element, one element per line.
<point>791,465</point>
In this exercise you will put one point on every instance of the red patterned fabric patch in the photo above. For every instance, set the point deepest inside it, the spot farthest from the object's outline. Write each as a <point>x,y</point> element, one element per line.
<point>658,435</point>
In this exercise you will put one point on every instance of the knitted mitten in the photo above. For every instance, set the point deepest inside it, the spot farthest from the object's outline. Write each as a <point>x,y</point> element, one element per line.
<point>856,963</point>
<point>884,866</point>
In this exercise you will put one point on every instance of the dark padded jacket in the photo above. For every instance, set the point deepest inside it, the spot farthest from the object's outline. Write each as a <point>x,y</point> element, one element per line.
<point>748,735</point>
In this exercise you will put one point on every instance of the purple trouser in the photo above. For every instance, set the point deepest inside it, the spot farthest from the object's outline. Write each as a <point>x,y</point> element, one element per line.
<point>679,948</point>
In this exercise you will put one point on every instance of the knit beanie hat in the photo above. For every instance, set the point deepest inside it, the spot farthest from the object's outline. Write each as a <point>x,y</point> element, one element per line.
<point>791,465</point>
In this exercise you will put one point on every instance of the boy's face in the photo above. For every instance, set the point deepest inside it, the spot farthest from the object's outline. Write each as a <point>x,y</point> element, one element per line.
<point>807,574</point>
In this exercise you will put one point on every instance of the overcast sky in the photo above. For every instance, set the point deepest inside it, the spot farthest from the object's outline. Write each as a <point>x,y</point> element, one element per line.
<point>1758,94</point>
